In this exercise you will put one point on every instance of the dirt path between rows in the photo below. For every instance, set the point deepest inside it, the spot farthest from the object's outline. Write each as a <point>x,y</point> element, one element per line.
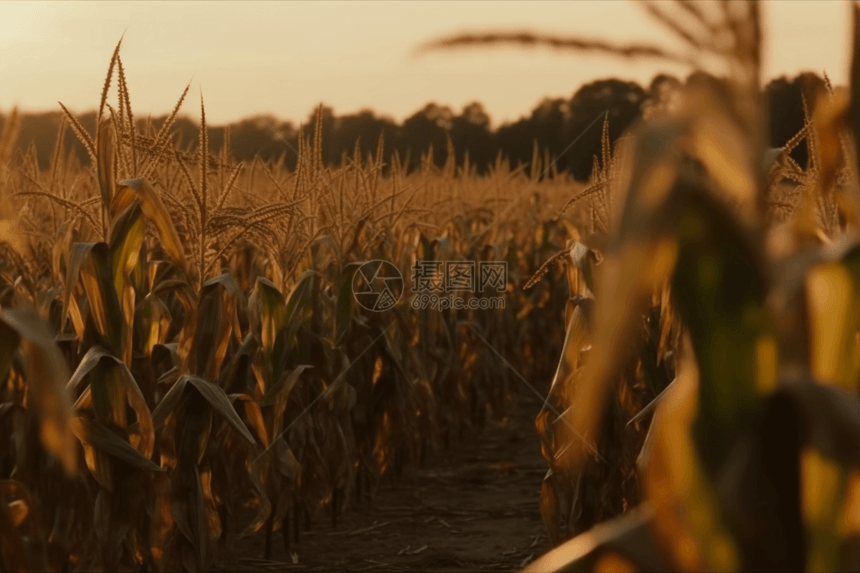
<point>474,507</point>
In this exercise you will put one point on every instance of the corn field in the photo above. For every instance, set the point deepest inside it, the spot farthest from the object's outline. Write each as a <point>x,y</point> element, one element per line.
<point>184,362</point>
<point>184,365</point>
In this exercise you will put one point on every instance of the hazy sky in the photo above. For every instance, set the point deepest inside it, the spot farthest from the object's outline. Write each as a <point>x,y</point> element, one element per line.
<point>283,58</point>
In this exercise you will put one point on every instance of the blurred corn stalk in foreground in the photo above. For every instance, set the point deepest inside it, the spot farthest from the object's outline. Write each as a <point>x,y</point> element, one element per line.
<point>724,295</point>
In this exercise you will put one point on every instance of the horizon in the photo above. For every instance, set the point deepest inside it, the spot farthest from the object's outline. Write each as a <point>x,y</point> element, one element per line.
<point>193,116</point>
<point>355,56</point>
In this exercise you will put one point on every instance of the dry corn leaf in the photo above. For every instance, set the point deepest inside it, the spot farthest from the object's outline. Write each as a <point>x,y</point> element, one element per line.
<point>95,434</point>
<point>627,536</point>
<point>157,212</point>
<point>211,393</point>
<point>111,386</point>
<point>47,374</point>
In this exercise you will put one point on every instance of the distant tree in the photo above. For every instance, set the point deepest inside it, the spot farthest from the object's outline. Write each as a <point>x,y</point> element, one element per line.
<point>40,130</point>
<point>622,100</point>
<point>252,137</point>
<point>661,95</point>
<point>470,131</point>
<point>187,133</point>
<point>784,100</point>
<point>554,124</point>
<point>546,125</point>
<point>365,128</point>
<point>785,114</point>
<point>515,139</point>
<point>429,126</point>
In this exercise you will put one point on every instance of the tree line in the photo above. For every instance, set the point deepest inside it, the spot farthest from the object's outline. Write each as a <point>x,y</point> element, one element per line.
<point>563,127</point>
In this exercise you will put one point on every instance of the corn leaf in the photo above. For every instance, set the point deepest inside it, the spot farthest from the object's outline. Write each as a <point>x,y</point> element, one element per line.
<point>155,211</point>
<point>47,375</point>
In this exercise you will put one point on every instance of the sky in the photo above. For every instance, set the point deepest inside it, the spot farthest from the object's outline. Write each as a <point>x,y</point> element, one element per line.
<point>284,58</point>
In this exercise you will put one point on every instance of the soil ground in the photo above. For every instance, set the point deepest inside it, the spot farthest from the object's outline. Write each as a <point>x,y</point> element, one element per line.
<point>473,507</point>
